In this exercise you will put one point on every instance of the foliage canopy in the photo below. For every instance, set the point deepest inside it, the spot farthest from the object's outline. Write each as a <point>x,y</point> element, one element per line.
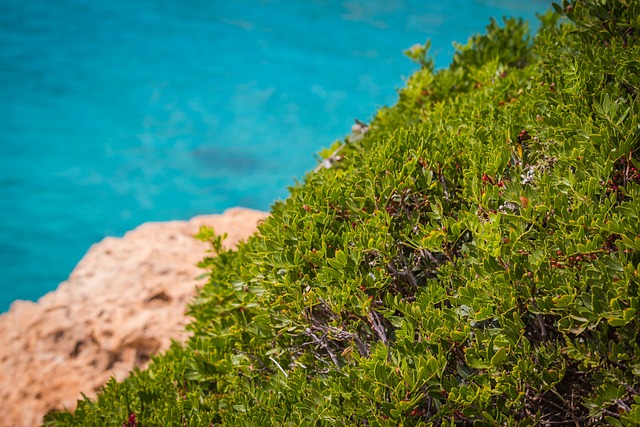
<point>471,259</point>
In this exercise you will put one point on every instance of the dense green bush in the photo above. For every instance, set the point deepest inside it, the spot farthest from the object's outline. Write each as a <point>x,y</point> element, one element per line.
<point>472,259</point>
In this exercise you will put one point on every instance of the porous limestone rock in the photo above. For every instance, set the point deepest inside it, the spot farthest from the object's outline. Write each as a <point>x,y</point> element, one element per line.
<point>123,302</point>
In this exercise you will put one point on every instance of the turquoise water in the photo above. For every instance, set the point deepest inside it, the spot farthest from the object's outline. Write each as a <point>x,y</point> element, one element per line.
<point>116,113</point>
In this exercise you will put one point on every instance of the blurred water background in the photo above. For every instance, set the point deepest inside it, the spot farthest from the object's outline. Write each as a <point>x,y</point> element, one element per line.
<point>114,113</point>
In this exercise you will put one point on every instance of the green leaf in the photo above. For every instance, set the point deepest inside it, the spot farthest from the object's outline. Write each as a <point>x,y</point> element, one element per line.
<point>499,357</point>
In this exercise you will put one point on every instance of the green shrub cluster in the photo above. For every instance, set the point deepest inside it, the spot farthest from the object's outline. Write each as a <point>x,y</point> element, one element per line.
<point>471,259</point>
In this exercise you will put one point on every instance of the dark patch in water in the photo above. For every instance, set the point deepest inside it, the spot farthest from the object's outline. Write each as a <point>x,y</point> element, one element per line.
<point>230,160</point>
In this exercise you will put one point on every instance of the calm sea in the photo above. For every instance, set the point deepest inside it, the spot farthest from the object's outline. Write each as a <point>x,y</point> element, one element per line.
<point>113,113</point>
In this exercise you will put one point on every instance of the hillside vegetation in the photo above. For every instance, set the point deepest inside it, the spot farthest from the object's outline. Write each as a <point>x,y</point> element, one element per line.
<point>469,258</point>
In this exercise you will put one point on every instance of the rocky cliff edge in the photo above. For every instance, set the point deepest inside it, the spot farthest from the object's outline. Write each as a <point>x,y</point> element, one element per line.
<point>124,302</point>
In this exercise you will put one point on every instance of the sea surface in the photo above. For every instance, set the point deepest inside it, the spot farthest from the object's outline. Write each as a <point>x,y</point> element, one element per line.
<point>114,113</point>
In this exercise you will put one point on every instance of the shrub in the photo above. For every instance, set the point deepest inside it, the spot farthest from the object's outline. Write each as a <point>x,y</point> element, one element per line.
<point>473,259</point>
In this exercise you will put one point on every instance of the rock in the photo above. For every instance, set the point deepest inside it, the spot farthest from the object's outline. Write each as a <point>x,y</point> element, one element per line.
<point>123,302</point>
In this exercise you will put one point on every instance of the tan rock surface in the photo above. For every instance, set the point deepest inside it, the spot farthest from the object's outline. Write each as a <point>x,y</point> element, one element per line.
<point>123,302</point>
